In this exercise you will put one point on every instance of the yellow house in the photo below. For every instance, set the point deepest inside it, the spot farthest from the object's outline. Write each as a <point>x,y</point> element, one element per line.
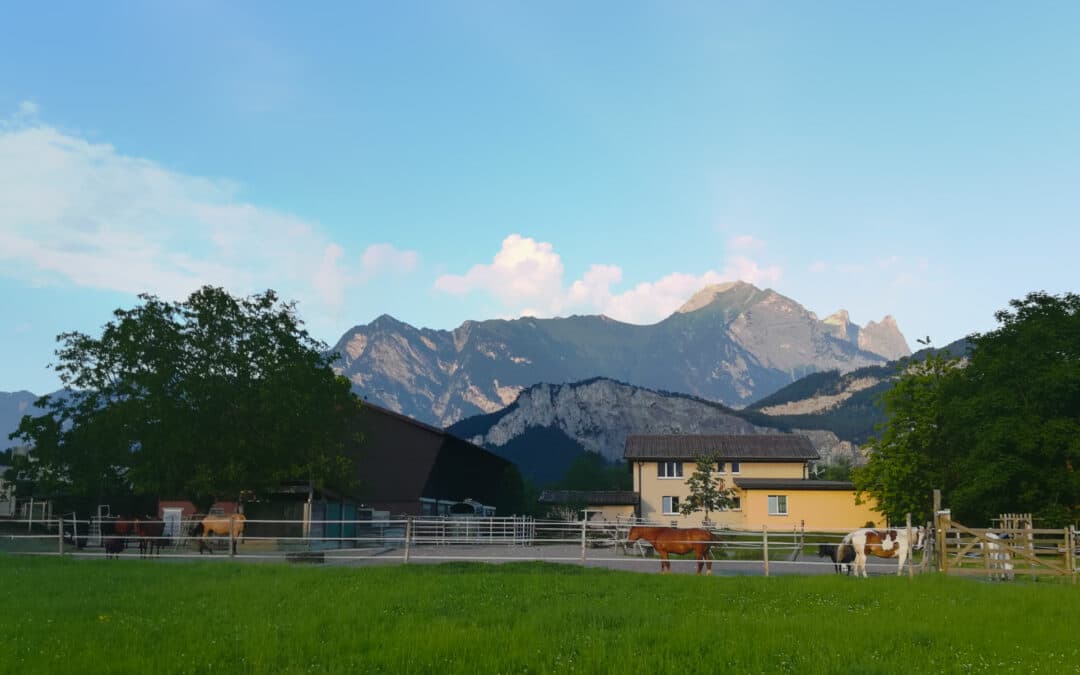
<point>769,474</point>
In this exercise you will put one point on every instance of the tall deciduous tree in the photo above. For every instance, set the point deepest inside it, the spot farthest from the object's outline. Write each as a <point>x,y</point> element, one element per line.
<point>707,490</point>
<point>201,398</point>
<point>999,434</point>
<point>1018,415</point>
<point>910,456</point>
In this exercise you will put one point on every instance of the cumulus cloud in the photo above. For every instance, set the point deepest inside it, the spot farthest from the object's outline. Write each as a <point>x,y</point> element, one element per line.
<point>379,259</point>
<point>523,272</point>
<point>526,276</point>
<point>28,108</point>
<point>83,213</point>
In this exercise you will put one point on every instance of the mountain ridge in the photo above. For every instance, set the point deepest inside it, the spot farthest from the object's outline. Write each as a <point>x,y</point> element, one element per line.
<point>731,343</point>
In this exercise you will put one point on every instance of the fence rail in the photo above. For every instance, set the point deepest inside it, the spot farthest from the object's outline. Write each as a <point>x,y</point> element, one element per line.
<point>435,539</point>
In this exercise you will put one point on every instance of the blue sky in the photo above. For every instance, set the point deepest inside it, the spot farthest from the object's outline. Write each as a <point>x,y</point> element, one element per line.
<point>449,161</point>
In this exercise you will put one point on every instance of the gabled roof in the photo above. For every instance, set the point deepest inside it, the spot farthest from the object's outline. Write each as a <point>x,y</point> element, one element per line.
<point>589,497</point>
<point>793,484</point>
<point>761,447</point>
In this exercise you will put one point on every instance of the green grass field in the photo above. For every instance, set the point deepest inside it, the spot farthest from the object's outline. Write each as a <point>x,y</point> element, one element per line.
<point>63,615</point>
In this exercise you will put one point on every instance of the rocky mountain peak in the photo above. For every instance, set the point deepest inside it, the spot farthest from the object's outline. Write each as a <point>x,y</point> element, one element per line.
<point>711,293</point>
<point>838,318</point>
<point>884,338</point>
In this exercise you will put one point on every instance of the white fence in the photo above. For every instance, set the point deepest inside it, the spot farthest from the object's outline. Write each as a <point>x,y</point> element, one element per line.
<point>436,539</point>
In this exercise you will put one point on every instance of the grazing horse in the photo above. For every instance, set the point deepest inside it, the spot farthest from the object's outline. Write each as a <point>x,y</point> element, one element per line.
<point>673,540</point>
<point>841,559</point>
<point>220,526</point>
<point>114,536</point>
<point>881,544</point>
<point>149,533</point>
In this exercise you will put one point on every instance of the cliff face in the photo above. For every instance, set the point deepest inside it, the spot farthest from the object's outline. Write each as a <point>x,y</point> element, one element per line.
<point>732,343</point>
<point>549,424</point>
<point>600,413</point>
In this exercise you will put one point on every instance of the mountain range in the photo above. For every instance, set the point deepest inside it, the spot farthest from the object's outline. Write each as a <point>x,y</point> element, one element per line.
<point>13,405</point>
<point>731,343</point>
<point>542,391</point>
<point>550,424</point>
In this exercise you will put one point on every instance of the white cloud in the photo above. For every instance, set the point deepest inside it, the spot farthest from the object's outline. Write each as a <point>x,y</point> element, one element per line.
<point>818,266</point>
<point>746,242</point>
<point>523,272</point>
<point>83,213</point>
<point>28,109</point>
<point>526,277</point>
<point>330,281</point>
<point>379,259</point>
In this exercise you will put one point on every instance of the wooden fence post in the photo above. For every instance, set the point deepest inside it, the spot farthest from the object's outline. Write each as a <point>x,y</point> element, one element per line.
<point>584,523</point>
<point>60,533</point>
<point>1030,544</point>
<point>408,538</point>
<point>943,521</point>
<point>765,546</point>
<point>910,552</point>
<point>232,538</point>
<point>1070,553</point>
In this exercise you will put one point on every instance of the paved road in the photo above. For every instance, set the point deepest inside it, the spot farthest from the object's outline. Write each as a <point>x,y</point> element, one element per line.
<point>610,558</point>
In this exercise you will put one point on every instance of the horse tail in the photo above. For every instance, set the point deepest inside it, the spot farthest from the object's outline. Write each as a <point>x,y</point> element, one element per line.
<point>844,549</point>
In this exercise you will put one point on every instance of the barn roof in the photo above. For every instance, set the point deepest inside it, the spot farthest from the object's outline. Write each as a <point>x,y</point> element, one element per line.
<point>793,484</point>
<point>761,447</point>
<point>589,497</point>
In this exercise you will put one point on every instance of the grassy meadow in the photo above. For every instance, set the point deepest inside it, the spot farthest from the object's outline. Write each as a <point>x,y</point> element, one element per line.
<point>132,616</point>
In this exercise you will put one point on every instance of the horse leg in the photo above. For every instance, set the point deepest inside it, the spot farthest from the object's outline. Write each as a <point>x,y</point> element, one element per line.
<point>708,561</point>
<point>665,564</point>
<point>902,557</point>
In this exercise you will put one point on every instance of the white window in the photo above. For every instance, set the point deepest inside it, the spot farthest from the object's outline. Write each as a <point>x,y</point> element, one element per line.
<point>777,505</point>
<point>720,467</point>
<point>671,506</point>
<point>736,504</point>
<point>734,467</point>
<point>669,469</point>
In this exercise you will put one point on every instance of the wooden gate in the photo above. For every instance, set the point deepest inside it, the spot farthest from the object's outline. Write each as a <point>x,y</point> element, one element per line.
<point>1004,553</point>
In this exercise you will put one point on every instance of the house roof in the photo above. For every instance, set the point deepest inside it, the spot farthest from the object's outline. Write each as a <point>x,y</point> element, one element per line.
<point>589,497</point>
<point>793,484</point>
<point>761,447</point>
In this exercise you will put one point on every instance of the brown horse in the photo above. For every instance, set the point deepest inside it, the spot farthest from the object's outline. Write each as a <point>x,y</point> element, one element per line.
<point>149,533</point>
<point>220,526</point>
<point>673,540</point>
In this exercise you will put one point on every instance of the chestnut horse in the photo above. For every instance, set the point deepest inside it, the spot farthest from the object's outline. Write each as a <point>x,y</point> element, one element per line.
<point>150,533</point>
<point>673,540</point>
<point>220,525</point>
<point>882,544</point>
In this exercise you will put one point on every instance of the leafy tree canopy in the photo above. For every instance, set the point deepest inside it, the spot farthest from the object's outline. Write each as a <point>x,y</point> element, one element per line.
<point>199,399</point>
<point>998,432</point>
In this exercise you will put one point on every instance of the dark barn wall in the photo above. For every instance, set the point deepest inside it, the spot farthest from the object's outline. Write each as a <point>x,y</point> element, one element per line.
<point>401,460</point>
<point>464,471</point>
<point>393,461</point>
